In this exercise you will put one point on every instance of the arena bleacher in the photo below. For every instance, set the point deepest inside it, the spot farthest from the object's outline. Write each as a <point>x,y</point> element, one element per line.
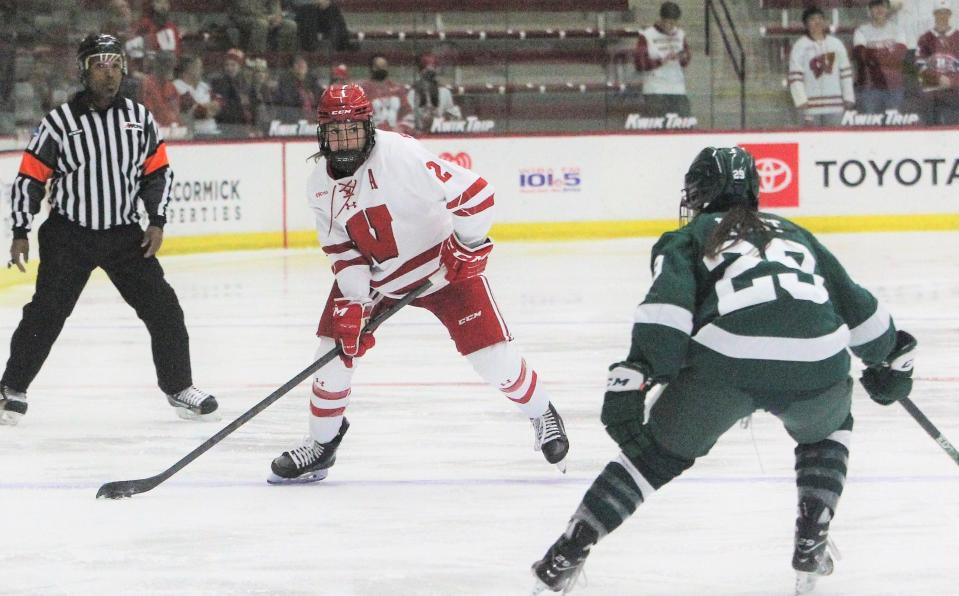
<point>543,66</point>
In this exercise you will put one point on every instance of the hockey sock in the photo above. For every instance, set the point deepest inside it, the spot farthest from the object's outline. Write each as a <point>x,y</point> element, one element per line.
<point>627,482</point>
<point>501,366</point>
<point>330,395</point>
<point>821,474</point>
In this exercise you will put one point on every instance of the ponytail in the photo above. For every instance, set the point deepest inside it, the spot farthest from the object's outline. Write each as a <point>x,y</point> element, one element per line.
<point>739,223</point>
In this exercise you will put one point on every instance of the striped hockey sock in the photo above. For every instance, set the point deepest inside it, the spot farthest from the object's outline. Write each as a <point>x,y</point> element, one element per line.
<point>821,474</point>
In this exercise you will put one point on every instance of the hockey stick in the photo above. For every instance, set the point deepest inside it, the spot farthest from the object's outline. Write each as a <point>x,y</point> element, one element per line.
<point>127,488</point>
<point>930,428</point>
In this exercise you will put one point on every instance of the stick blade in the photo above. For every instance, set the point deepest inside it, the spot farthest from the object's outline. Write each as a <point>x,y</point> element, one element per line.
<point>122,489</point>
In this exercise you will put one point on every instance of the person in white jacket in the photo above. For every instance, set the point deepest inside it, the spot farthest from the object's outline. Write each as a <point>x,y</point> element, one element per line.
<point>820,74</point>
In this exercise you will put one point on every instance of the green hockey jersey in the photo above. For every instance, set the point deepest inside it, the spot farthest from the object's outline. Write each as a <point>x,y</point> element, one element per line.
<point>778,317</point>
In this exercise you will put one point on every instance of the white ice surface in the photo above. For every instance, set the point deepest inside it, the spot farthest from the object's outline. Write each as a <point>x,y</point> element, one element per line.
<point>436,490</point>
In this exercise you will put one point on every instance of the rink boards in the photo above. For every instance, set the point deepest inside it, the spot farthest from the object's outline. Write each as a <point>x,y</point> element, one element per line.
<point>235,194</point>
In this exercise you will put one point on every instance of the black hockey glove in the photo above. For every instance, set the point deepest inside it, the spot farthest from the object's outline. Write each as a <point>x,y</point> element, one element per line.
<point>625,400</point>
<point>891,380</point>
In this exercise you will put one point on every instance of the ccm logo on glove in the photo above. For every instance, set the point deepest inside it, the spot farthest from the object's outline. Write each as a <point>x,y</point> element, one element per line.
<point>462,262</point>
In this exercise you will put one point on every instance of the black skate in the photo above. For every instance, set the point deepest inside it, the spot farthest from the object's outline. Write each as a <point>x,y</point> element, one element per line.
<point>562,564</point>
<point>814,555</point>
<point>13,405</point>
<point>308,463</point>
<point>550,437</point>
<point>193,404</point>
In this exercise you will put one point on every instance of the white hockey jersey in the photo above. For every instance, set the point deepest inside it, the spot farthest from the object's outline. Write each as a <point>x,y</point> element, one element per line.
<point>382,227</point>
<point>661,76</point>
<point>820,75</point>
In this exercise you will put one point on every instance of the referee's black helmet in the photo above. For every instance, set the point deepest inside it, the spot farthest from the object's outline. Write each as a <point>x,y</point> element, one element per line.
<point>99,44</point>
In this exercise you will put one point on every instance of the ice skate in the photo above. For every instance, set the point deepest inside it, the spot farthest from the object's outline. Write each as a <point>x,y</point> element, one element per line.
<point>814,556</point>
<point>550,437</point>
<point>13,405</point>
<point>562,564</point>
<point>193,404</point>
<point>309,462</point>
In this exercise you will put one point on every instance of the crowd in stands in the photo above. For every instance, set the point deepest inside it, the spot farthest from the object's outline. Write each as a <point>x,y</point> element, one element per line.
<point>904,60</point>
<point>268,68</point>
<point>265,62</point>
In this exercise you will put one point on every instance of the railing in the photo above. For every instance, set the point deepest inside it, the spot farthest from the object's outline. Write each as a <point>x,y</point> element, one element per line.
<point>728,40</point>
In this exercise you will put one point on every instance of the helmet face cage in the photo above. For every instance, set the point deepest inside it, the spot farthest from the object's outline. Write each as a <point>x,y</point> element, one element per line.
<point>347,160</point>
<point>105,48</point>
<point>339,105</point>
<point>702,184</point>
<point>85,64</point>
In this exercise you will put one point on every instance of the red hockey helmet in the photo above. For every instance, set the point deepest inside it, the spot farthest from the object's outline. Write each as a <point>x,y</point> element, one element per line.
<point>344,104</point>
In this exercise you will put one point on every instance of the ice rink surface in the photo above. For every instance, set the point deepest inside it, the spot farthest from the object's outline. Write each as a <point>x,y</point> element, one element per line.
<point>436,489</point>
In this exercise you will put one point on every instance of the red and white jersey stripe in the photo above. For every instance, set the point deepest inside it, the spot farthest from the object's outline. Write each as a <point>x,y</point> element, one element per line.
<point>382,227</point>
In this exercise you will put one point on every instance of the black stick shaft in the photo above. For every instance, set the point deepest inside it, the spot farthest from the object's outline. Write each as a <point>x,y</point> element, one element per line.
<point>130,487</point>
<point>930,428</point>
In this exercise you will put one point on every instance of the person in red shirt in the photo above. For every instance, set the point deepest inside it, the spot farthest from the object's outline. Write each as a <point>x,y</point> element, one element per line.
<point>391,108</point>
<point>159,32</point>
<point>879,50</point>
<point>160,95</point>
<point>937,58</point>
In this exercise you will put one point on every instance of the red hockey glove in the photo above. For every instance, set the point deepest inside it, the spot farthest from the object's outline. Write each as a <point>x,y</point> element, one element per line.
<point>462,262</point>
<point>349,318</point>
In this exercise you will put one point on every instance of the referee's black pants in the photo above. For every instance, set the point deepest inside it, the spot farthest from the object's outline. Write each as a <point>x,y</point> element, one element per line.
<point>68,255</point>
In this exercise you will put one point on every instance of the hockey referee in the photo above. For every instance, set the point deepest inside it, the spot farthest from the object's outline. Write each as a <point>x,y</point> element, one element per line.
<point>98,153</point>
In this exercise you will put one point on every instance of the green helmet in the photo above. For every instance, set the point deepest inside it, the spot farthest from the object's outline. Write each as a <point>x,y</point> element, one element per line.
<point>718,179</point>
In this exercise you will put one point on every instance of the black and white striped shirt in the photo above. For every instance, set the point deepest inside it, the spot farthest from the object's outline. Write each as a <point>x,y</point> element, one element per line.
<point>98,162</point>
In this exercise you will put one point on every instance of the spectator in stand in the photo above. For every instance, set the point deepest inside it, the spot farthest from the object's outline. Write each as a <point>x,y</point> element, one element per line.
<point>661,55</point>
<point>429,99</point>
<point>391,106</point>
<point>261,25</point>
<point>879,49</point>
<point>321,25</point>
<point>119,20</point>
<point>160,95</point>
<point>197,105</point>
<point>262,91</point>
<point>914,17</point>
<point>339,75</point>
<point>820,75</point>
<point>232,88</point>
<point>295,97</point>
<point>937,57</point>
<point>159,32</point>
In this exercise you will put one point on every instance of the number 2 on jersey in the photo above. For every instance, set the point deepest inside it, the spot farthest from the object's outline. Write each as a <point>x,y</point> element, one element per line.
<point>372,232</point>
<point>762,289</point>
<point>443,176</point>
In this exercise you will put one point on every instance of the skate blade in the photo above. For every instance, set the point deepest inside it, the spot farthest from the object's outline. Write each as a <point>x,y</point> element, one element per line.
<point>805,582</point>
<point>187,414</point>
<point>539,587</point>
<point>561,465</point>
<point>303,479</point>
<point>8,418</point>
